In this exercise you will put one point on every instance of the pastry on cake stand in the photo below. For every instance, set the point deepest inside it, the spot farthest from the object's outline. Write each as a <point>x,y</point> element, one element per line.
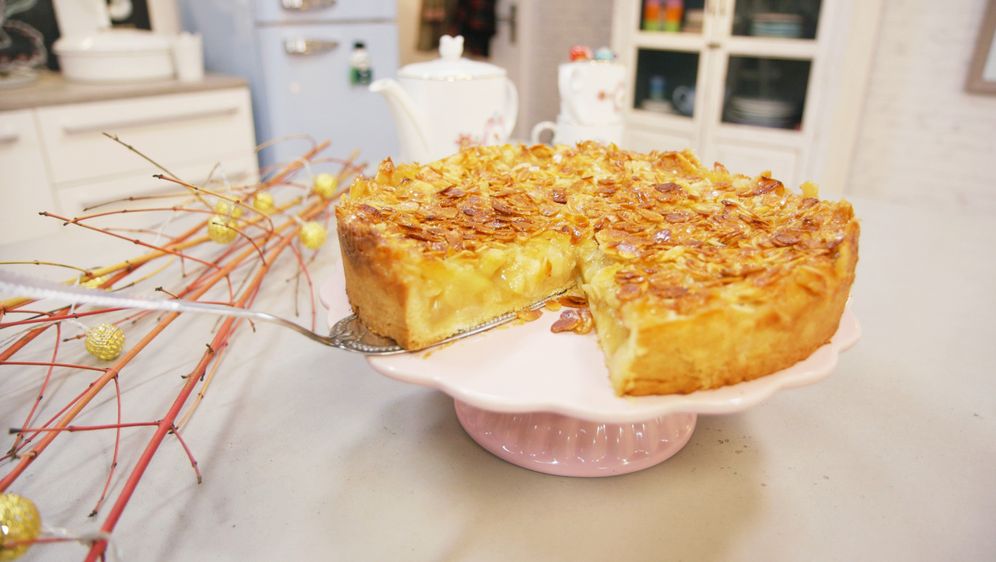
<point>543,401</point>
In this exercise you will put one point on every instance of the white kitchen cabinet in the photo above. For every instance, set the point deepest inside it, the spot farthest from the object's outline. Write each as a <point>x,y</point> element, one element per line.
<point>237,169</point>
<point>178,129</point>
<point>647,140</point>
<point>54,156</point>
<point>24,183</point>
<point>761,85</point>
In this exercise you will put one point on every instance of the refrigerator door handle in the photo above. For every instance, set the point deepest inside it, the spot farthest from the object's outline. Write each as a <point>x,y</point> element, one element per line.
<point>302,47</point>
<point>306,5</point>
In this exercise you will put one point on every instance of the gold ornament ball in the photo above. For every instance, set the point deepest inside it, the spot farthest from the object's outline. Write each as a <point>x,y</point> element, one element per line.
<point>221,229</point>
<point>325,185</point>
<point>313,235</point>
<point>228,209</point>
<point>94,282</point>
<point>105,341</point>
<point>19,522</point>
<point>263,202</point>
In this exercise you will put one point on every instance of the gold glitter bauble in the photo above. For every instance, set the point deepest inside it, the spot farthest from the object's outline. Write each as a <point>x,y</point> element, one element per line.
<point>313,235</point>
<point>228,209</point>
<point>263,202</point>
<point>325,185</point>
<point>19,522</point>
<point>93,282</point>
<point>221,229</point>
<point>105,341</point>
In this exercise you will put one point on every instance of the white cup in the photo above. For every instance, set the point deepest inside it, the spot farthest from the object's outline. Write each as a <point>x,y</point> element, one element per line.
<point>592,92</point>
<point>188,57</point>
<point>566,132</point>
<point>684,99</point>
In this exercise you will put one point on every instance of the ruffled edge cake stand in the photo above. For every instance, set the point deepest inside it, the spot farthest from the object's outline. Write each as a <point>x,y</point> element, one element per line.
<point>543,401</point>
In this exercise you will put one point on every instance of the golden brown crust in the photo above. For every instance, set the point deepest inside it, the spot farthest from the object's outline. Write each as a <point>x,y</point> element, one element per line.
<point>698,278</point>
<point>375,292</point>
<point>728,345</point>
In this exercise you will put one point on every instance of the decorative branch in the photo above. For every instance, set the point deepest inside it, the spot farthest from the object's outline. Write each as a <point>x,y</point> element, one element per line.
<point>208,272</point>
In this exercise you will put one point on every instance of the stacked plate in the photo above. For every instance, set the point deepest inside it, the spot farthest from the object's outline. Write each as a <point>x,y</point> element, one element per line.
<point>658,106</point>
<point>762,112</point>
<point>772,24</point>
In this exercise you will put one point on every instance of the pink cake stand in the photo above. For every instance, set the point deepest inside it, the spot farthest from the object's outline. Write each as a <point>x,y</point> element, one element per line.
<point>543,401</point>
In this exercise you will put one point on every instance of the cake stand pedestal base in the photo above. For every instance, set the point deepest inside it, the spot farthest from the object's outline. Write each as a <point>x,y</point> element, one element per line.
<point>566,446</point>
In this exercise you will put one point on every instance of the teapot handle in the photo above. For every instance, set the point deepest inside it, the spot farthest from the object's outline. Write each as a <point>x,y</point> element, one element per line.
<point>511,107</point>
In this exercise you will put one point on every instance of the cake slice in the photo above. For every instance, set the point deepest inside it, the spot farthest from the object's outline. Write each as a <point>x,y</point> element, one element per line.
<point>430,251</point>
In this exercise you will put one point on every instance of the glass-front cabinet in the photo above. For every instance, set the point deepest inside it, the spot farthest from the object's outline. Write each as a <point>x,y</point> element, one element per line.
<point>731,79</point>
<point>791,19</point>
<point>765,92</point>
<point>666,82</point>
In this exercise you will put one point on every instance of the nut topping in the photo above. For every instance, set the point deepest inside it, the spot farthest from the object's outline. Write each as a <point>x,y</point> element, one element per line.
<point>677,234</point>
<point>629,291</point>
<point>576,320</point>
<point>785,238</point>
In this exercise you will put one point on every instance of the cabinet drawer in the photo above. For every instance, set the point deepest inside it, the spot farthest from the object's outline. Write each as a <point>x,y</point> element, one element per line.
<point>285,11</point>
<point>72,200</point>
<point>24,188</point>
<point>752,160</point>
<point>645,141</point>
<point>173,130</point>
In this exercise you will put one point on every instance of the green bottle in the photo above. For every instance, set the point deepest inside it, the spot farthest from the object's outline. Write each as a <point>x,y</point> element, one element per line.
<point>360,73</point>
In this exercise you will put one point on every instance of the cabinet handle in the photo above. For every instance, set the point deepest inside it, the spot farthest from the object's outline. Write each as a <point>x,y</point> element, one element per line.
<point>8,137</point>
<point>306,5</point>
<point>145,121</point>
<point>307,47</point>
<point>90,199</point>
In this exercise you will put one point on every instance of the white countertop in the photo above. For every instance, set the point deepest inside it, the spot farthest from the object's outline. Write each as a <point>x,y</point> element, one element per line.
<point>308,454</point>
<point>51,88</point>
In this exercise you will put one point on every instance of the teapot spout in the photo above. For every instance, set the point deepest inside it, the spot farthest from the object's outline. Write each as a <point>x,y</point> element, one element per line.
<point>413,125</point>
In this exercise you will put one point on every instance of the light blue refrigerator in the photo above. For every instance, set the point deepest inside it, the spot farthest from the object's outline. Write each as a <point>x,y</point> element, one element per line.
<point>296,56</point>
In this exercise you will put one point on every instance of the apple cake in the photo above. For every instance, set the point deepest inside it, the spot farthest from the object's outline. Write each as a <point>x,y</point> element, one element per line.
<point>696,278</point>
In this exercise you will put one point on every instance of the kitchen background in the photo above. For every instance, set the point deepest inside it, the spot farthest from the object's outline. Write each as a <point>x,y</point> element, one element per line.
<point>892,117</point>
<point>326,458</point>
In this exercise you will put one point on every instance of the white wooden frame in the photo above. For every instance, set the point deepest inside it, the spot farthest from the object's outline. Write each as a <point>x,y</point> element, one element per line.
<point>840,57</point>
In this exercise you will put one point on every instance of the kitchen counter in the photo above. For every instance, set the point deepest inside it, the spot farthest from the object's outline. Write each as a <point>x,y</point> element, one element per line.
<point>308,454</point>
<point>52,89</point>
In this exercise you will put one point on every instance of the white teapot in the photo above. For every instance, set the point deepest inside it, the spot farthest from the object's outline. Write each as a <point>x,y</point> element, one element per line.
<point>446,104</point>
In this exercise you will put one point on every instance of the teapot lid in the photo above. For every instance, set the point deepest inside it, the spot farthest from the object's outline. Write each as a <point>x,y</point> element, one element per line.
<point>450,65</point>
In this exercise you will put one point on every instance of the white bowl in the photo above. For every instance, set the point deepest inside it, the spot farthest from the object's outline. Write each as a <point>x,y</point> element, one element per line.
<point>115,56</point>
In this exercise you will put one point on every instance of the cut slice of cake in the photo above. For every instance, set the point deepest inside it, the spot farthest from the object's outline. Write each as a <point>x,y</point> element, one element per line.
<point>430,251</point>
<point>696,278</point>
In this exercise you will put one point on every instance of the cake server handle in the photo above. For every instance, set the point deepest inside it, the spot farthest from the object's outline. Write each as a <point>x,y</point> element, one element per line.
<point>348,334</point>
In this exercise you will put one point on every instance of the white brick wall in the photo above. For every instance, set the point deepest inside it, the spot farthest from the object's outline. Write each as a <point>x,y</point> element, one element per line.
<point>922,137</point>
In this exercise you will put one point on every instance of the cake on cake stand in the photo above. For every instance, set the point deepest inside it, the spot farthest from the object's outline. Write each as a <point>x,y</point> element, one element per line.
<point>543,401</point>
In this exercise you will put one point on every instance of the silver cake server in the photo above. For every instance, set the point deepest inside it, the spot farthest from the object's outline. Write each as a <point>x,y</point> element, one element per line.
<point>348,334</point>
